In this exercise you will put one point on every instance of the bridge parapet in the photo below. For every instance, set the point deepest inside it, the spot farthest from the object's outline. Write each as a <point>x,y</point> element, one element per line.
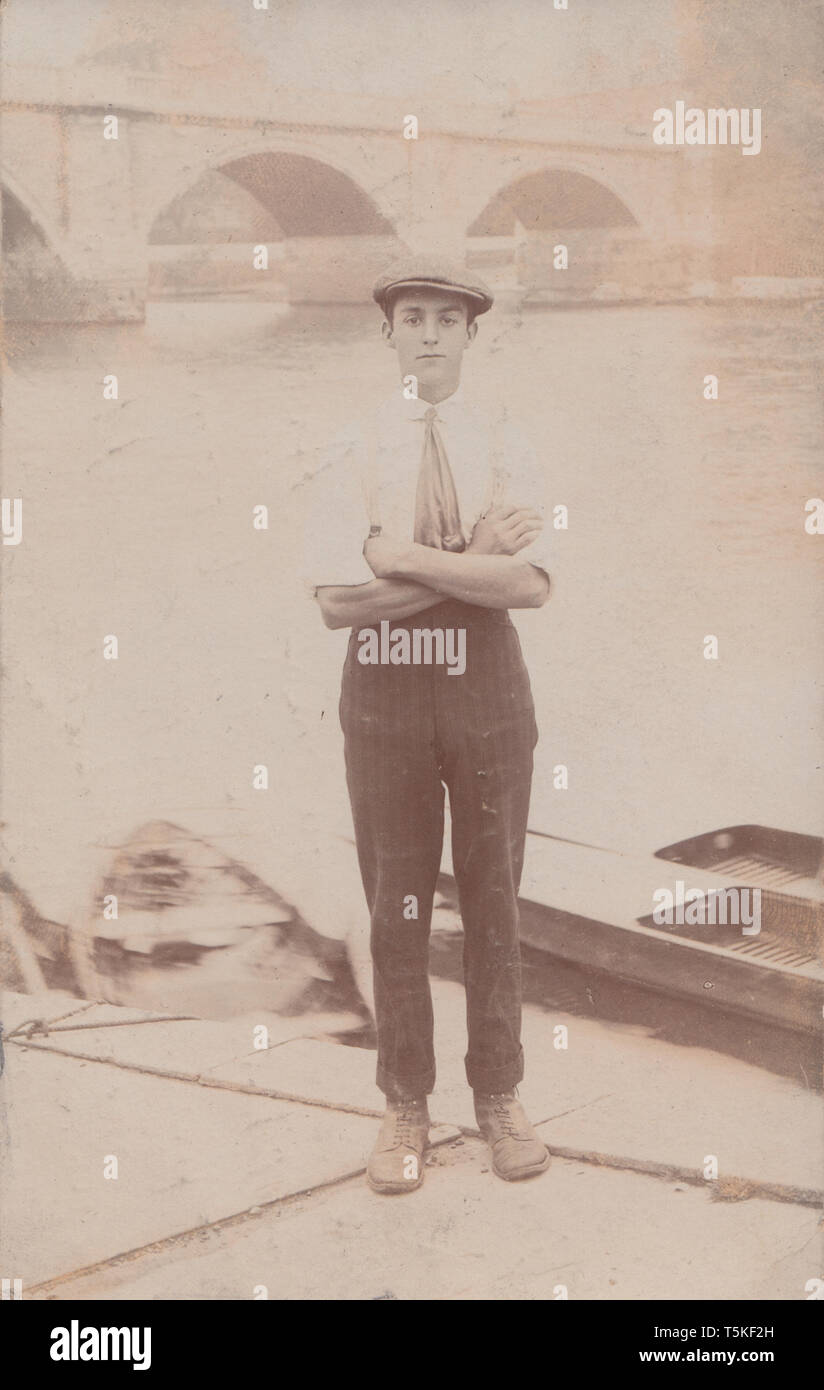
<point>98,201</point>
<point>169,97</point>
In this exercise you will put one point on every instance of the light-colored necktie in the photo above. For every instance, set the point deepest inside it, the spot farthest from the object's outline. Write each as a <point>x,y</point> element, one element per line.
<point>437,518</point>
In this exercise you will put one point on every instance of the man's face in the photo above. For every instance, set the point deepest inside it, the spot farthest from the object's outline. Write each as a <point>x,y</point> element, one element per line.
<point>430,333</point>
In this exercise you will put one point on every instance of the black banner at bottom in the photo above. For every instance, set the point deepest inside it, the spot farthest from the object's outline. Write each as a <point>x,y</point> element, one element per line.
<point>167,1338</point>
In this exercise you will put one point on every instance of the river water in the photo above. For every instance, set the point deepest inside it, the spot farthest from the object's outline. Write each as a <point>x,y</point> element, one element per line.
<point>686,518</point>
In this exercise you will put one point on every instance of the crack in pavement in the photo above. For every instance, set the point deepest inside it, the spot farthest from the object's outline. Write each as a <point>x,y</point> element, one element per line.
<point>755,1188</point>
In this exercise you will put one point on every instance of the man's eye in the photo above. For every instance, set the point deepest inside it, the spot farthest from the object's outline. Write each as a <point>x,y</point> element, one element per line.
<point>412,318</point>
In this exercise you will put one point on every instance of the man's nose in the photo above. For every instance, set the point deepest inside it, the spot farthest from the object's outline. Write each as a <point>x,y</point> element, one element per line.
<point>430,332</point>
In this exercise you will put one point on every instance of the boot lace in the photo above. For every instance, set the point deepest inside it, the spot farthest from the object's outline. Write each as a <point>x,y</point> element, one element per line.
<point>407,1120</point>
<point>501,1109</point>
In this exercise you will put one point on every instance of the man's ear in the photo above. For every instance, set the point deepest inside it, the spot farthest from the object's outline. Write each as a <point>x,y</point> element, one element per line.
<point>471,330</point>
<point>386,333</point>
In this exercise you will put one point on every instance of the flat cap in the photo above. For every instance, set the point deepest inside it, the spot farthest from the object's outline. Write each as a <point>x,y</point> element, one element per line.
<point>427,272</point>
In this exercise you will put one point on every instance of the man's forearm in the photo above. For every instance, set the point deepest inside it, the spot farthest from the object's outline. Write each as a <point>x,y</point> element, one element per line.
<point>493,581</point>
<point>357,604</point>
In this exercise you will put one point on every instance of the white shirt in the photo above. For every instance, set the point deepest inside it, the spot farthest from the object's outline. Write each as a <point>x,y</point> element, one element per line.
<point>369,476</point>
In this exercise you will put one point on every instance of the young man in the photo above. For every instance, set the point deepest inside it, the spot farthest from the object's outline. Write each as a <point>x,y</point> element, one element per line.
<point>426,527</point>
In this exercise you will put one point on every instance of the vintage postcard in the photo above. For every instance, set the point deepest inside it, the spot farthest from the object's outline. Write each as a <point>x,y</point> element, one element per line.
<point>412,879</point>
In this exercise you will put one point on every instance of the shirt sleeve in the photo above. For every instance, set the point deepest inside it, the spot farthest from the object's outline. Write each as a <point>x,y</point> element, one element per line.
<point>526,484</point>
<point>335,519</point>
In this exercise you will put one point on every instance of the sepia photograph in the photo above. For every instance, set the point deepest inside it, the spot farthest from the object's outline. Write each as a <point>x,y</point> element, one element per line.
<point>411,660</point>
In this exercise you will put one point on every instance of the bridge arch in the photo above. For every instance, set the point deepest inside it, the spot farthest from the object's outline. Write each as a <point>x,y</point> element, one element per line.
<point>42,224</point>
<point>554,195</point>
<point>38,284</point>
<point>347,172</point>
<point>302,195</point>
<point>292,201</point>
<point>516,232</point>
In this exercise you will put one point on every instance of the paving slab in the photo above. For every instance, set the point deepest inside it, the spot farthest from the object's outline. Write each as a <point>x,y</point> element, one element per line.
<point>318,1070</point>
<point>464,1235</point>
<point>312,1070</point>
<point>678,1105</point>
<point>187,1155</point>
<point>192,1048</point>
<point>614,1090</point>
<point>18,1008</point>
<point>757,1133</point>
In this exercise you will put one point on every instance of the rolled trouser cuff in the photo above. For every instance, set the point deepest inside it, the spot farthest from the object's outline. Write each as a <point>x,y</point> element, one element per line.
<point>397,1088</point>
<point>492,1080</point>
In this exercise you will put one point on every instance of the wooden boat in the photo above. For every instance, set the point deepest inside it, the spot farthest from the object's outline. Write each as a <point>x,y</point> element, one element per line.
<point>581,903</point>
<point>595,907</point>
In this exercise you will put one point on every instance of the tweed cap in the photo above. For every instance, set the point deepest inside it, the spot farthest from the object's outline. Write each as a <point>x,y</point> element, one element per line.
<point>428,272</point>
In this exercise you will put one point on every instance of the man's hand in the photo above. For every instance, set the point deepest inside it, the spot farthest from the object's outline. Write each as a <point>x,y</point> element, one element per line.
<point>504,531</point>
<point>386,555</point>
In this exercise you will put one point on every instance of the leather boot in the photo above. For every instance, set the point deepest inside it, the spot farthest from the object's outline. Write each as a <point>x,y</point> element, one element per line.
<point>517,1151</point>
<point>396,1161</point>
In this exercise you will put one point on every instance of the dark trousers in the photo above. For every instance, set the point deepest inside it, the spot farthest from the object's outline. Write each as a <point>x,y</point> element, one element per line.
<point>408,732</point>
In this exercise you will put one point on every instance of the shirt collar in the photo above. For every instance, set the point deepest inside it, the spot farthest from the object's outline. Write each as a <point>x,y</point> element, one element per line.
<point>416,408</point>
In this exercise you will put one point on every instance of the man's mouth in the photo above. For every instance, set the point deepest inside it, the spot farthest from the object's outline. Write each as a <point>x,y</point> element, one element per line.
<point>427,356</point>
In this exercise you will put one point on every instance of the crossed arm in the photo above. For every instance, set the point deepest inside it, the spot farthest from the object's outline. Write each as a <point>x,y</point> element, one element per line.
<point>410,577</point>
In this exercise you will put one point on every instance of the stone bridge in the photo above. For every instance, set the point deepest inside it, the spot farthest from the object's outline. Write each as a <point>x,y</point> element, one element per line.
<point>175,206</point>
